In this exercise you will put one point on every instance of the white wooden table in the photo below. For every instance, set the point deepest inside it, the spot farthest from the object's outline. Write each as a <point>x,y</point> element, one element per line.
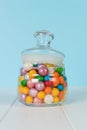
<point>72,115</point>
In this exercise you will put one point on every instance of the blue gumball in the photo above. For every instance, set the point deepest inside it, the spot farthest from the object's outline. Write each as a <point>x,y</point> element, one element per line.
<point>60,87</point>
<point>47,77</point>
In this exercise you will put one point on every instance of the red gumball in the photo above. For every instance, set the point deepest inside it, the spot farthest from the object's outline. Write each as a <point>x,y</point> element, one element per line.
<point>48,83</point>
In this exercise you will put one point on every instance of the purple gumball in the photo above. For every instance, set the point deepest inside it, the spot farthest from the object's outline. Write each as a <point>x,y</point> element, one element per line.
<point>23,71</point>
<point>33,92</point>
<point>22,97</point>
<point>30,83</point>
<point>43,71</point>
<point>40,86</point>
<point>37,101</point>
<point>41,66</point>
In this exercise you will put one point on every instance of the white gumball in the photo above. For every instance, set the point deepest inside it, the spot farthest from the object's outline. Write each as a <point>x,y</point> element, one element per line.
<point>27,66</point>
<point>48,99</point>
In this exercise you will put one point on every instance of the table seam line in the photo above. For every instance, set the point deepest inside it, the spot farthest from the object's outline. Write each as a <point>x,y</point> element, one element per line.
<point>67,117</point>
<point>6,113</point>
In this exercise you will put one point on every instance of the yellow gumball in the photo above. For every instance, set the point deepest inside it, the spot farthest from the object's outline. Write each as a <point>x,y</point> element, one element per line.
<point>50,65</point>
<point>41,95</point>
<point>25,90</point>
<point>55,92</point>
<point>56,99</point>
<point>29,99</point>
<point>21,78</point>
<point>32,73</point>
<point>20,89</point>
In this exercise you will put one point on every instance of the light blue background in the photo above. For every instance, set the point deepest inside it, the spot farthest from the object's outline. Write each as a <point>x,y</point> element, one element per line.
<point>67,19</point>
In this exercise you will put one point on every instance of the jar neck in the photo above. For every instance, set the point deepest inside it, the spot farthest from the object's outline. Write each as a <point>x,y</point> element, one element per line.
<point>43,45</point>
<point>43,39</point>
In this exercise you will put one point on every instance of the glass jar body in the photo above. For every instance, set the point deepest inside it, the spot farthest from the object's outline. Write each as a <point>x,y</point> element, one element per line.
<point>42,80</point>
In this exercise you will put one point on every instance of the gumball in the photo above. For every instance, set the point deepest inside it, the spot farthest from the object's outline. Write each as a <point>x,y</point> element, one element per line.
<point>26,76</point>
<point>27,66</point>
<point>29,99</point>
<point>48,83</point>
<point>48,90</point>
<point>20,89</point>
<point>32,73</point>
<point>24,82</point>
<point>40,77</point>
<point>50,70</point>
<point>56,99</point>
<point>55,81</point>
<point>50,65</point>
<point>43,71</point>
<point>59,70</point>
<point>22,97</point>
<point>37,101</point>
<point>61,95</point>
<point>35,65</point>
<point>39,86</point>
<point>25,90</point>
<point>61,79</point>
<point>48,99</point>
<point>33,92</point>
<point>65,84</point>
<point>60,87</point>
<point>55,92</point>
<point>55,74</point>
<point>41,95</point>
<point>30,83</point>
<point>23,71</point>
<point>47,77</point>
<point>41,66</point>
<point>21,78</point>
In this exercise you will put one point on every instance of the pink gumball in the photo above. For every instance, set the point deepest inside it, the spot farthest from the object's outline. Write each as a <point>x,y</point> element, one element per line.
<point>43,71</point>
<point>22,97</point>
<point>39,86</point>
<point>23,71</point>
<point>37,101</point>
<point>33,92</point>
<point>30,83</point>
<point>41,66</point>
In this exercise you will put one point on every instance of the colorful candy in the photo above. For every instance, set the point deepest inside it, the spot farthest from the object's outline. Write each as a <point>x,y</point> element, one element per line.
<point>48,99</point>
<point>42,84</point>
<point>24,82</point>
<point>30,83</point>
<point>59,70</point>
<point>41,95</point>
<point>39,86</point>
<point>48,90</point>
<point>43,71</point>
<point>22,97</point>
<point>23,71</point>
<point>60,87</point>
<point>33,92</point>
<point>29,99</point>
<point>55,92</point>
<point>32,73</point>
<point>40,77</point>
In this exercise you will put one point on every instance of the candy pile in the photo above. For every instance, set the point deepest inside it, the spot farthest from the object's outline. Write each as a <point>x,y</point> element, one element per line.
<point>42,84</point>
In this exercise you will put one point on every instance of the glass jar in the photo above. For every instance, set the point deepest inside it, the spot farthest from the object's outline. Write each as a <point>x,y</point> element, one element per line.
<point>42,80</point>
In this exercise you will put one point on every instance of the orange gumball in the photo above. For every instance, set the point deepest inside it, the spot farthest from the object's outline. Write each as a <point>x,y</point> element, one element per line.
<point>61,80</point>
<point>55,81</point>
<point>56,74</point>
<point>61,95</point>
<point>65,84</point>
<point>47,90</point>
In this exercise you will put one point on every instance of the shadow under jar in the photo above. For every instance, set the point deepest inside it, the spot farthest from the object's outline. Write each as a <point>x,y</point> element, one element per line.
<point>42,80</point>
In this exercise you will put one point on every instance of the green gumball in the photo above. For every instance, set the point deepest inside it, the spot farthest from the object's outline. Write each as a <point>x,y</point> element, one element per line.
<point>40,78</point>
<point>24,82</point>
<point>59,70</point>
